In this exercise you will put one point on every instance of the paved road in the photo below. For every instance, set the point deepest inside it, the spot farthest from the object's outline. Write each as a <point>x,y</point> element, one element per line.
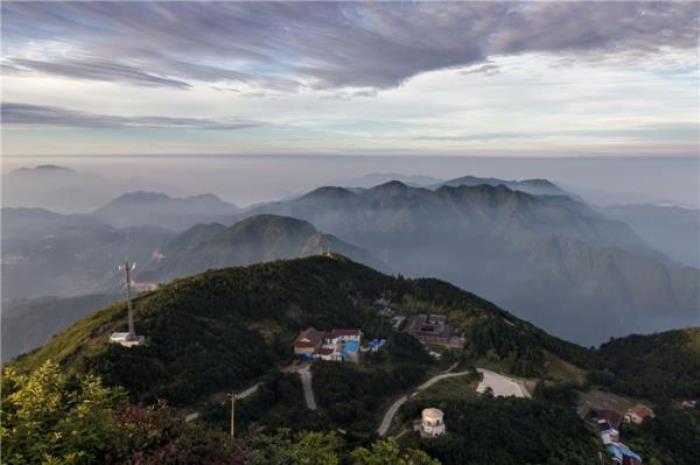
<point>394,408</point>
<point>306,382</point>
<point>501,385</point>
<point>241,395</point>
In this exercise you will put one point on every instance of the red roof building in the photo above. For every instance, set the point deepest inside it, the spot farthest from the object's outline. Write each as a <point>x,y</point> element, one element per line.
<point>308,341</point>
<point>345,333</point>
<point>639,413</point>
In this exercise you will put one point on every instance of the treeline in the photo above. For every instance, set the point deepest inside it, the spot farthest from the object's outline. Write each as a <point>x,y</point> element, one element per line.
<point>659,367</point>
<point>671,438</point>
<point>47,419</point>
<point>509,431</point>
<point>354,397</point>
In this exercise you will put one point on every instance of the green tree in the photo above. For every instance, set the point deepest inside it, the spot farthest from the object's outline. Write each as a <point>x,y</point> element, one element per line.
<point>49,419</point>
<point>389,453</point>
<point>285,448</point>
<point>44,421</point>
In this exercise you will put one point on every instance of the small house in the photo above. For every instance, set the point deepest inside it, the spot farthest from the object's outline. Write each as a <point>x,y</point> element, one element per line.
<point>639,413</point>
<point>308,342</point>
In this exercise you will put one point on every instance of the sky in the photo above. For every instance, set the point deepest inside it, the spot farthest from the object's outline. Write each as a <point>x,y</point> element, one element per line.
<point>559,79</point>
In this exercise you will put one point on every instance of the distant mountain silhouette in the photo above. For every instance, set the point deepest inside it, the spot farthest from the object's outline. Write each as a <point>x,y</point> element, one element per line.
<point>674,231</point>
<point>46,253</point>
<point>551,258</point>
<point>256,239</point>
<point>155,208</point>
<point>531,186</point>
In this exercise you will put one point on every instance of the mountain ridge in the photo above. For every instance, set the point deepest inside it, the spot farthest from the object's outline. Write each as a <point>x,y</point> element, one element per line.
<point>509,246</point>
<point>254,239</point>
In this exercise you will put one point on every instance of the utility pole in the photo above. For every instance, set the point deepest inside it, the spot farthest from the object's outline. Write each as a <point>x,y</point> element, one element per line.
<point>129,339</point>
<point>233,397</point>
<point>127,272</point>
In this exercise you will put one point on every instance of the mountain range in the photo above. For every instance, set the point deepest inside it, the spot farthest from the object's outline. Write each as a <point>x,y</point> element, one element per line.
<point>552,259</point>
<point>58,188</point>
<point>49,254</point>
<point>573,269</point>
<point>45,278</point>
<point>530,186</point>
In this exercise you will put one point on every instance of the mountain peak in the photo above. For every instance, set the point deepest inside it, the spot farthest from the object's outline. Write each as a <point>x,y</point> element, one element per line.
<point>44,169</point>
<point>328,192</point>
<point>269,220</point>
<point>391,185</point>
<point>140,197</point>
<point>539,182</point>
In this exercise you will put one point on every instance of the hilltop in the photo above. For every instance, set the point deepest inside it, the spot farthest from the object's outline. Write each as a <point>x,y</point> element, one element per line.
<point>224,328</point>
<point>255,239</point>
<point>661,366</point>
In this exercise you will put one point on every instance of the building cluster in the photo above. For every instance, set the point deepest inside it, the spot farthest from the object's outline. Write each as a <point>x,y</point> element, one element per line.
<point>336,345</point>
<point>608,424</point>
<point>430,329</point>
<point>434,329</point>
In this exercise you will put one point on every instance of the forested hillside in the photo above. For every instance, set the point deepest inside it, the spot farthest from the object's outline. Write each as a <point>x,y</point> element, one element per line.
<point>229,329</point>
<point>224,328</point>
<point>662,366</point>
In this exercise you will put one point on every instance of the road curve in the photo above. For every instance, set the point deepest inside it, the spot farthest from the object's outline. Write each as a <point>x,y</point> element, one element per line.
<point>394,408</point>
<point>241,395</point>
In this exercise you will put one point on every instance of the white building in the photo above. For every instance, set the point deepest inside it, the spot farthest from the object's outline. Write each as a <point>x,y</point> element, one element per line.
<point>431,424</point>
<point>340,336</point>
<point>123,340</point>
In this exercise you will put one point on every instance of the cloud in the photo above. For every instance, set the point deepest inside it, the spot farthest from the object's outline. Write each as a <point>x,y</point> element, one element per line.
<point>488,69</point>
<point>676,131</point>
<point>289,46</point>
<point>97,69</point>
<point>36,115</point>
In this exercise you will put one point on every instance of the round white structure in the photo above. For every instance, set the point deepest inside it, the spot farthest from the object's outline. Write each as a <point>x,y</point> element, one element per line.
<point>432,424</point>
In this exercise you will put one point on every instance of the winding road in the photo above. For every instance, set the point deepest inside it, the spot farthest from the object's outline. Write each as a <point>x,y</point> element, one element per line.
<point>500,384</point>
<point>241,395</point>
<point>394,408</point>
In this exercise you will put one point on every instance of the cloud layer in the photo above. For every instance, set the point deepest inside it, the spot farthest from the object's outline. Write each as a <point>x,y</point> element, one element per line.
<point>23,114</point>
<point>289,46</point>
